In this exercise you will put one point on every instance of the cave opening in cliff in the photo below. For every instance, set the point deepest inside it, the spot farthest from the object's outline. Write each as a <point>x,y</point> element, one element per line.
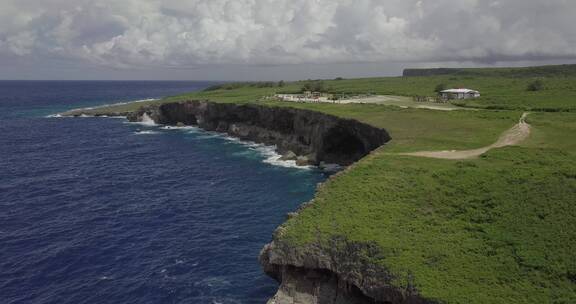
<point>342,146</point>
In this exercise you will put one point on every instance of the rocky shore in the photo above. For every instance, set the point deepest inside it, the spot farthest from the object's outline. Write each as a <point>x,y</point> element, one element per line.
<point>322,274</point>
<point>319,273</point>
<point>308,137</point>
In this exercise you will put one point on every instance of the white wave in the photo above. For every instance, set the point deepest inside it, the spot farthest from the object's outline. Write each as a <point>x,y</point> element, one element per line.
<point>235,140</point>
<point>189,128</point>
<point>269,153</point>
<point>146,121</point>
<point>273,158</point>
<point>53,116</point>
<point>147,132</point>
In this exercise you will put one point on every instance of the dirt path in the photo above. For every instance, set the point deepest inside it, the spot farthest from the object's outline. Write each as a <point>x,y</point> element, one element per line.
<point>512,136</point>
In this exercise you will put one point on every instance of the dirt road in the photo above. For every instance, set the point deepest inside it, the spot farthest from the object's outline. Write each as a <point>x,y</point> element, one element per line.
<point>513,136</point>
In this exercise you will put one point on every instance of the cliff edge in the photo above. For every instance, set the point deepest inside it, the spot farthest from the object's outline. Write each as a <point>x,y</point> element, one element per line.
<point>319,273</point>
<point>311,137</point>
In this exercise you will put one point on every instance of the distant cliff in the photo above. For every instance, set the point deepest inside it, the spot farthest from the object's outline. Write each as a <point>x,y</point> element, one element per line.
<point>311,136</point>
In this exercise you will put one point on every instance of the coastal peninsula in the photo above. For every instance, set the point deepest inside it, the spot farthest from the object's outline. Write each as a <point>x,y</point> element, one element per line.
<point>399,224</point>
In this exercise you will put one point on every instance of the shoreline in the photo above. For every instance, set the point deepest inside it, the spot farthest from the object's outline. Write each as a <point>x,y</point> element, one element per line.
<point>399,227</point>
<point>269,152</point>
<point>210,120</point>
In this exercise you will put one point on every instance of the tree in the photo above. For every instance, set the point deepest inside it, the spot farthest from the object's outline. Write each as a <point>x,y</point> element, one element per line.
<point>281,83</point>
<point>307,86</point>
<point>315,86</point>
<point>440,87</point>
<point>319,86</point>
<point>536,85</point>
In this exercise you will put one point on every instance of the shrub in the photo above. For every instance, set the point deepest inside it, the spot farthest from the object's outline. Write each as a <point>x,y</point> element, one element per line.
<point>213,88</point>
<point>316,86</point>
<point>319,86</point>
<point>534,86</point>
<point>440,87</point>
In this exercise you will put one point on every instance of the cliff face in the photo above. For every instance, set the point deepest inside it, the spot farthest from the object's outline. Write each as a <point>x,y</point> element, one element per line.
<point>333,273</point>
<point>314,136</point>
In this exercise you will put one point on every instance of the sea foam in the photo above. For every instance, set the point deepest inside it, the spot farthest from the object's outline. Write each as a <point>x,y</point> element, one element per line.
<point>147,132</point>
<point>147,120</point>
<point>268,152</point>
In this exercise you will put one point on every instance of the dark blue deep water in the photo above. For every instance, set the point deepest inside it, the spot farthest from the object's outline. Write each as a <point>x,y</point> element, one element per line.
<point>97,210</point>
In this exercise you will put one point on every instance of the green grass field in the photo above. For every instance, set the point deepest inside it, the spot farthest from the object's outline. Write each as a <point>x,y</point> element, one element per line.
<point>502,89</point>
<point>558,94</point>
<point>497,229</point>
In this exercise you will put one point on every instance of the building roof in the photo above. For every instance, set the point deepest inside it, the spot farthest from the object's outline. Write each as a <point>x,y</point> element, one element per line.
<point>456,91</point>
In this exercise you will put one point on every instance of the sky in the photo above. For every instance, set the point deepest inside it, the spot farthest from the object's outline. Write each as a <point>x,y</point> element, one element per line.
<point>276,39</point>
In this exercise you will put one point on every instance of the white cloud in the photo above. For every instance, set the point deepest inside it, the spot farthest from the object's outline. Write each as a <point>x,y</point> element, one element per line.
<point>186,33</point>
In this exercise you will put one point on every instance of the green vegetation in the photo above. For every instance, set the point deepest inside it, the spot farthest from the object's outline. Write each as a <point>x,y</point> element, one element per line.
<point>498,91</point>
<point>536,85</point>
<point>501,89</point>
<point>416,129</point>
<point>551,71</point>
<point>440,87</point>
<point>315,86</point>
<point>497,229</point>
<point>238,85</point>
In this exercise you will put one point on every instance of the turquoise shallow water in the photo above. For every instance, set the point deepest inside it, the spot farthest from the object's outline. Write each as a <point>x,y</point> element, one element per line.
<point>97,210</point>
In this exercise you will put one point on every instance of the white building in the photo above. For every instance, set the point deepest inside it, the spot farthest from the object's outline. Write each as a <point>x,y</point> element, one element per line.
<point>459,94</point>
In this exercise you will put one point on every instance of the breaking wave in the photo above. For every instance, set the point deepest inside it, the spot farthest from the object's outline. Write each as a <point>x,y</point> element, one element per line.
<point>147,132</point>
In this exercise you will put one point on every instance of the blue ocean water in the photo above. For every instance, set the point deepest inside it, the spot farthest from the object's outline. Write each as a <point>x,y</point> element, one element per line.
<point>98,210</point>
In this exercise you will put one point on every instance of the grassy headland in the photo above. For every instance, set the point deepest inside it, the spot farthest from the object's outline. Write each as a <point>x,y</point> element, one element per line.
<point>497,229</point>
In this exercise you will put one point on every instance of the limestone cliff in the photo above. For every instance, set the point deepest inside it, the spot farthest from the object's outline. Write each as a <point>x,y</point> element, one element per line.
<point>337,272</point>
<point>332,272</point>
<point>316,136</point>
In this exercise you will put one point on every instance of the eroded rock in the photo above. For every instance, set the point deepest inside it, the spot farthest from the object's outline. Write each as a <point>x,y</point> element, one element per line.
<point>316,136</point>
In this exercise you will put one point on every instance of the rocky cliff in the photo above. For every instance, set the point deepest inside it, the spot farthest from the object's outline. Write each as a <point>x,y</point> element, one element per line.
<point>322,273</point>
<point>335,271</point>
<point>310,137</point>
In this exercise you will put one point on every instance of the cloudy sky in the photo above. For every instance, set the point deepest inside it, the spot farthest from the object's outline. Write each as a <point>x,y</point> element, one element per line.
<point>275,39</point>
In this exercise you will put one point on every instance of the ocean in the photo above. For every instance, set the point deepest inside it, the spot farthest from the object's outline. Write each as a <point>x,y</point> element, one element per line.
<point>99,210</point>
